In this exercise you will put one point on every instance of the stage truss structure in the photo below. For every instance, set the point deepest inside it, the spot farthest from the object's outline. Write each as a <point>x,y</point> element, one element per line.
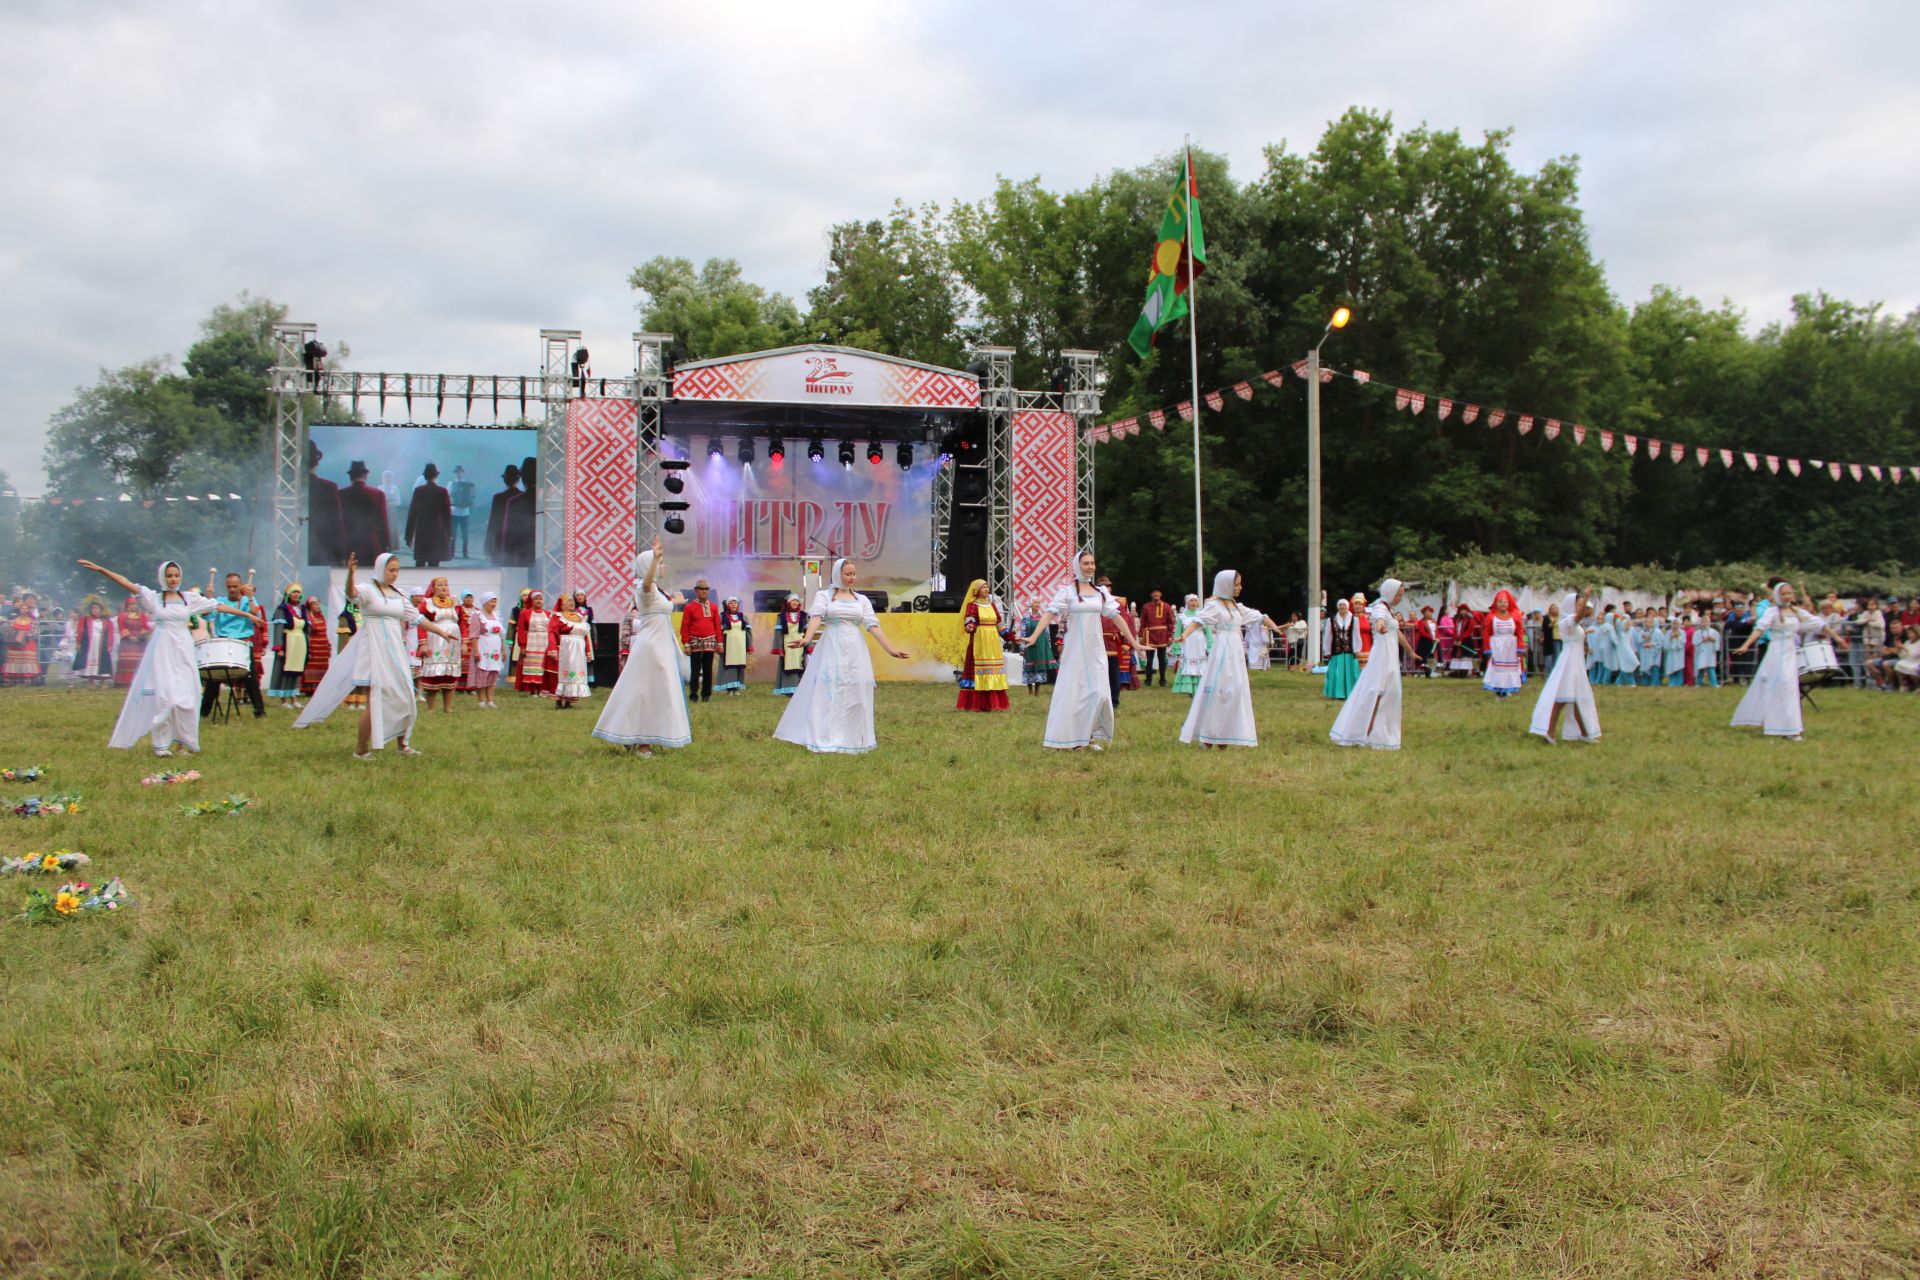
<point>291,384</point>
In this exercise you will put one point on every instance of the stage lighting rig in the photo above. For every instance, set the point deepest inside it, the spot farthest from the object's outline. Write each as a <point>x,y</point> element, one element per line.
<point>776,451</point>
<point>314,356</point>
<point>903,454</point>
<point>746,453</point>
<point>580,371</point>
<point>716,448</point>
<point>673,482</point>
<point>875,453</point>
<point>846,453</point>
<point>816,450</point>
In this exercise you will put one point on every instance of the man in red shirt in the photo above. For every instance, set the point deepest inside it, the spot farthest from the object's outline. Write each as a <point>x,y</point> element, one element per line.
<point>700,637</point>
<point>1156,623</point>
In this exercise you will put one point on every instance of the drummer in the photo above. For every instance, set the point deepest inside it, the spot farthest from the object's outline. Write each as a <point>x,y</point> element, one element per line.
<point>226,626</point>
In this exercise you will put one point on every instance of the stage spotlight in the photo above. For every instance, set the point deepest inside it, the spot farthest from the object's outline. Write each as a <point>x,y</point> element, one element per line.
<point>673,523</point>
<point>846,453</point>
<point>815,450</point>
<point>903,454</point>
<point>776,451</point>
<point>875,453</point>
<point>1062,378</point>
<point>746,453</point>
<point>673,483</point>
<point>580,371</point>
<point>716,449</point>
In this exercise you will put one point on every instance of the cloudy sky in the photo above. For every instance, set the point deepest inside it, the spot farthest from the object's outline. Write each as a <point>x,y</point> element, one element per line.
<point>435,182</point>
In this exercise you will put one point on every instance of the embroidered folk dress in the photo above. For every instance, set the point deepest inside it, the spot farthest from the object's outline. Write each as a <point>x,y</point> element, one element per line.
<point>832,710</point>
<point>1504,673</point>
<point>983,671</point>
<point>1222,710</point>
<point>572,657</point>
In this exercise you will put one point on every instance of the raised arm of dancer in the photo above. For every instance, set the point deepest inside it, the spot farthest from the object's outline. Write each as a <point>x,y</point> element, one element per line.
<point>653,567</point>
<point>1045,620</point>
<point>124,584</point>
<point>353,562</point>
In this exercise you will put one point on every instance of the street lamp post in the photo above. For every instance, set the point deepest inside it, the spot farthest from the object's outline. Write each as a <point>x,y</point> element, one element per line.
<point>1339,321</point>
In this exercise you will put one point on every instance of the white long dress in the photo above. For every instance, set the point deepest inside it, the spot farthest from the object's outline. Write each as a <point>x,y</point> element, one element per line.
<point>163,702</point>
<point>1081,712</point>
<point>648,705</point>
<point>1193,650</point>
<point>571,651</point>
<point>1259,654</point>
<point>1504,674</point>
<point>1222,710</point>
<point>1772,701</point>
<point>1568,682</point>
<point>376,662</point>
<point>832,710</point>
<point>1375,699</point>
<point>489,644</point>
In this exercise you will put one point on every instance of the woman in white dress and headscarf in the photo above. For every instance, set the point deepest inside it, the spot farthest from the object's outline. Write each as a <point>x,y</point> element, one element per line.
<point>1222,710</point>
<point>1772,702</point>
<point>1081,713</point>
<point>832,710</point>
<point>648,705</point>
<point>1370,717</point>
<point>163,702</point>
<point>376,661</point>
<point>1567,687</point>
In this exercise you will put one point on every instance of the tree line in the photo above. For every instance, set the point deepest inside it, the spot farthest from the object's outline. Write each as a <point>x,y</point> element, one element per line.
<point>1467,276</point>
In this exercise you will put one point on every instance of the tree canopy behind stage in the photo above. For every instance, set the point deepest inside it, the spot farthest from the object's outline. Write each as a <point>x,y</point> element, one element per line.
<point>1469,278</point>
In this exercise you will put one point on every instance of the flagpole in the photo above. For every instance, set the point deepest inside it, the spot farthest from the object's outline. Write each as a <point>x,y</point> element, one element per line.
<point>1193,349</point>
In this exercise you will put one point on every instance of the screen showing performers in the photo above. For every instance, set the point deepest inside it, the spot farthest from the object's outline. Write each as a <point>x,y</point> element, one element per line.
<point>458,497</point>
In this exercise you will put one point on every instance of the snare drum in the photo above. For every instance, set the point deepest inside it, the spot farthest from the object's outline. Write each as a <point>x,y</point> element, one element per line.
<point>1818,660</point>
<point>221,658</point>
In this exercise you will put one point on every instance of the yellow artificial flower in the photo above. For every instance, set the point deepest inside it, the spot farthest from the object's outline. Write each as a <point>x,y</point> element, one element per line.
<point>66,903</point>
<point>50,863</point>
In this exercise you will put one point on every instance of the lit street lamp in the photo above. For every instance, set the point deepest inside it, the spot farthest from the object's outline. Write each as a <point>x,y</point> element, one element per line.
<point>1339,321</point>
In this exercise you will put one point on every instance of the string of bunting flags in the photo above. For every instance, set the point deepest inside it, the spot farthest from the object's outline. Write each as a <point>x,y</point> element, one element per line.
<point>1445,408</point>
<point>145,503</point>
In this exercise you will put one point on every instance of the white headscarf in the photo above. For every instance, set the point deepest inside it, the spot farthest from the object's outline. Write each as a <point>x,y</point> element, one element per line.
<point>1193,601</point>
<point>1223,584</point>
<point>641,564</point>
<point>380,570</point>
<point>1073,570</point>
<point>839,568</point>
<point>1778,587</point>
<point>160,577</point>
<point>1388,587</point>
<point>1569,604</point>
<point>488,595</point>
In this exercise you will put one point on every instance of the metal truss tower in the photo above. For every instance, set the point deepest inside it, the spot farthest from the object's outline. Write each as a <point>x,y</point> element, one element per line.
<point>996,402</point>
<point>287,381</point>
<point>1082,400</point>
<point>556,388</point>
<point>652,387</point>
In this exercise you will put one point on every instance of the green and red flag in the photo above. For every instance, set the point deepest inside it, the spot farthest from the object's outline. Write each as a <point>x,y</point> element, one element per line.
<point>1180,255</point>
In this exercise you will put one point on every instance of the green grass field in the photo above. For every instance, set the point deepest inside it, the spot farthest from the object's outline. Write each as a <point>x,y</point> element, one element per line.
<point>966,1007</point>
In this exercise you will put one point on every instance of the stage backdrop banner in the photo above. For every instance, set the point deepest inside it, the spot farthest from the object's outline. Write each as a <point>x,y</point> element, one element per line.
<point>1043,501</point>
<point>829,376</point>
<point>600,512</point>
<point>750,526</point>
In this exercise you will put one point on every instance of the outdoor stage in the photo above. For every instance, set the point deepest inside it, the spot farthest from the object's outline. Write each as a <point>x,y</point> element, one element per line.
<point>927,477</point>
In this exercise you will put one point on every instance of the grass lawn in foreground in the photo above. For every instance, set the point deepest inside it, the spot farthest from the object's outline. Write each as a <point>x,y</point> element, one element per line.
<point>966,1007</point>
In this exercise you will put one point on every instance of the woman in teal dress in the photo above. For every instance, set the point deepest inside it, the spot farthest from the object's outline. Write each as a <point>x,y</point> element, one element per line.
<point>1337,642</point>
<point>1038,661</point>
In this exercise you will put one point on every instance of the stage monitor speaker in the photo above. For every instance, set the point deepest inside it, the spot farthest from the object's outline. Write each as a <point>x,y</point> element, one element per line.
<point>774,601</point>
<point>944,602</point>
<point>879,599</point>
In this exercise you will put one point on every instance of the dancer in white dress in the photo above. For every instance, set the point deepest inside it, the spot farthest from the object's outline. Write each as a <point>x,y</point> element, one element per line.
<point>1222,710</point>
<point>489,649</point>
<point>832,710</point>
<point>376,661</point>
<point>1081,713</point>
<point>572,652</point>
<point>1772,701</point>
<point>648,705</point>
<point>163,702</point>
<point>1370,717</point>
<point>1567,686</point>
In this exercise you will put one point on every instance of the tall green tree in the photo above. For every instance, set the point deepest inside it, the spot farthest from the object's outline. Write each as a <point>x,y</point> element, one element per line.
<point>715,311</point>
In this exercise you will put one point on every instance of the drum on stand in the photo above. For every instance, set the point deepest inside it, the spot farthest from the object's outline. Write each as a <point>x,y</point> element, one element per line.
<point>220,658</point>
<point>1818,662</point>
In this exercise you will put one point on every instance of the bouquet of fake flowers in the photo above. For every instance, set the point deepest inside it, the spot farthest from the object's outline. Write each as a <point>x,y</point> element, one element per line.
<point>31,773</point>
<point>170,777</point>
<point>226,808</point>
<point>74,899</point>
<point>45,806</point>
<point>43,864</point>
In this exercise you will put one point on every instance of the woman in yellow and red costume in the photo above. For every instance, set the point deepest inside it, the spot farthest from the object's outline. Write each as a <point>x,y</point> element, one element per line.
<point>983,672</point>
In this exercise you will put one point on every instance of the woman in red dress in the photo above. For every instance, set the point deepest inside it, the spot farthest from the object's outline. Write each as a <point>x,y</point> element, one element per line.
<point>533,639</point>
<point>983,671</point>
<point>319,647</point>
<point>134,626</point>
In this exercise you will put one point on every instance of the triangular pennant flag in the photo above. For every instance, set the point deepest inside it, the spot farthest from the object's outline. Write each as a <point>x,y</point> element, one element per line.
<point>1446,409</point>
<point>1833,469</point>
<point>1158,417</point>
<point>1185,410</point>
<point>1678,452</point>
<point>1097,433</point>
<point>1402,398</point>
<point>1853,469</point>
<point>1895,473</point>
<point>1653,448</point>
<point>1552,429</point>
<point>1495,418</point>
<point>1773,464</point>
<point>1793,465</point>
<point>1417,401</point>
<point>1215,401</point>
<point>1300,370</point>
<point>1700,455</point>
<point>1244,390</point>
<point>1633,445</point>
<point>1753,460</point>
<point>1273,377</point>
<point>1816,463</point>
<point>1526,423</point>
<point>1468,414</point>
<point>1362,376</point>
<point>1579,434</point>
<point>1606,441</point>
<point>1326,376</point>
<point>1873,469</point>
<point>1726,459</point>
<point>1133,425</point>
